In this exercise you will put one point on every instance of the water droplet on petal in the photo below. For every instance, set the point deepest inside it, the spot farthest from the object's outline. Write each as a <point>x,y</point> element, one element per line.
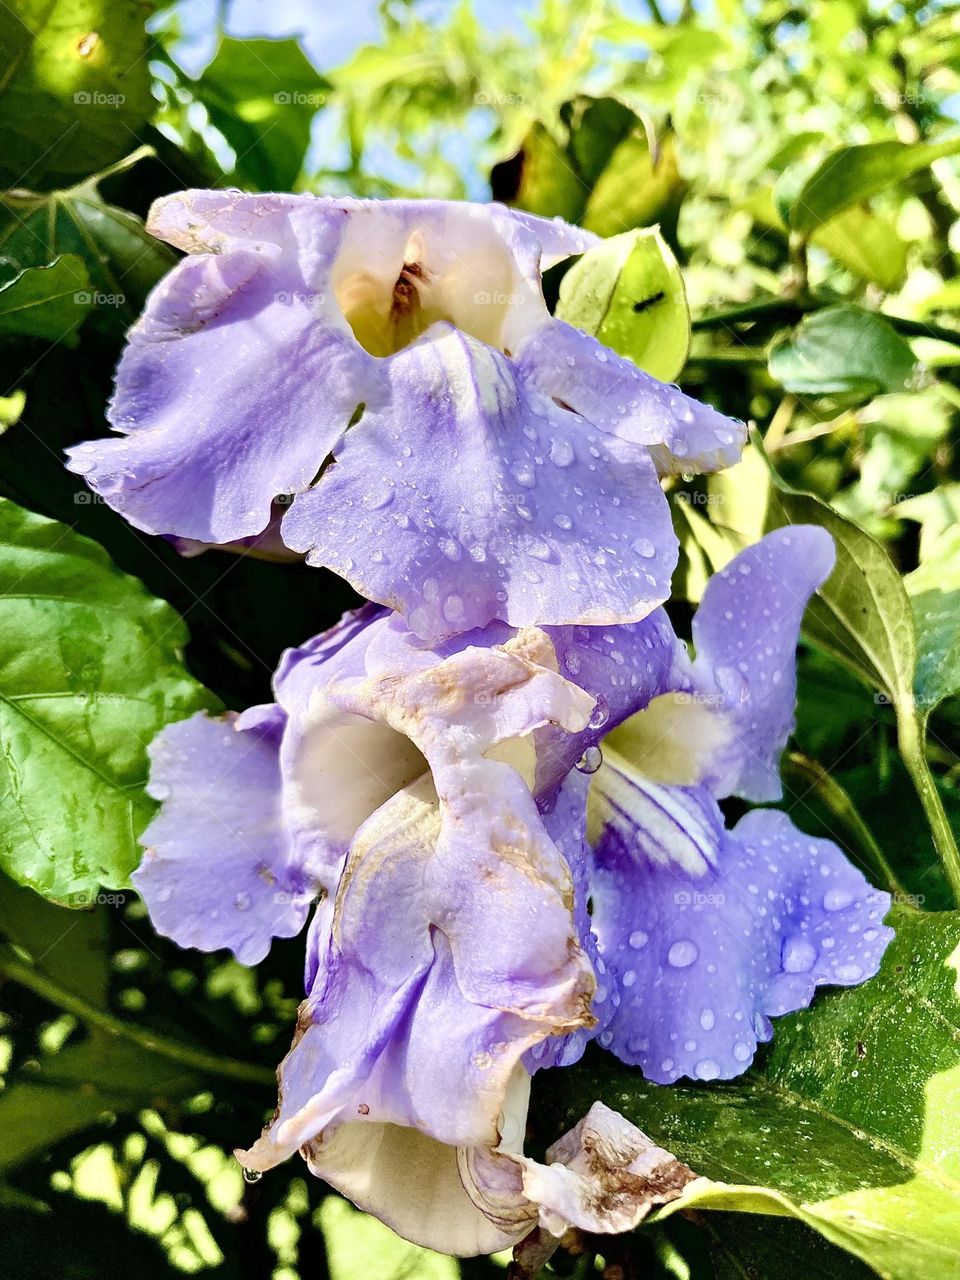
<point>837,899</point>
<point>590,761</point>
<point>683,953</point>
<point>797,955</point>
<point>252,1175</point>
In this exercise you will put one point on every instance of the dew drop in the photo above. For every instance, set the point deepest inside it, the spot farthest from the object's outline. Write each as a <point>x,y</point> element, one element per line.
<point>252,1175</point>
<point>797,955</point>
<point>836,899</point>
<point>683,953</point>
<point>637,939</point>
<point>590,761</point>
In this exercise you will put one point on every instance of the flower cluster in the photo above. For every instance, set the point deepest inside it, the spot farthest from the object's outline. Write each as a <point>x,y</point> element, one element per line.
<point>492,795</point>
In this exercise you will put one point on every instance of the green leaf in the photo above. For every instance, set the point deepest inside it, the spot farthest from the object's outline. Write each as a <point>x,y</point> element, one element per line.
<point>935,512</point>
<point>262,96</point>
<point>637,188</point>
<point>851,174</point>
<point>47,302</point>
<point>751,1246</point>
<point>862,615</point>
<point>75,87</point>
<point>628,292</point>
<point>934,591</point>
<point>71,1091</point>
<point>850,1122</point>
<point>843,350</point>
<point>11,408</point>
<point>122,259</point>
<point>867,245</point>
<point>70,947</point>
<point>90,669</point>
<point>596,169</point>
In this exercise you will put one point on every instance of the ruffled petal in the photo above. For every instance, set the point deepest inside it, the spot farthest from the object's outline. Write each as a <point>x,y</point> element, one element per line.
<point>234,386</point>
<point>745,634</point>
<point>723,720</point>
<point>702,962</point>
<point>454,909</point>
<point>464,500</point>
<point>218,870</point>
<point>613,394</point>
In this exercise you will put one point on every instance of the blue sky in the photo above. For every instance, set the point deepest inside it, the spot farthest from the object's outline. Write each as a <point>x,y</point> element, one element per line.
<point>331,29</point>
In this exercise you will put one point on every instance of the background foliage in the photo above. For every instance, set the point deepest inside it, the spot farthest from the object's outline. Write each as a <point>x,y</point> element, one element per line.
<point>799,160</point>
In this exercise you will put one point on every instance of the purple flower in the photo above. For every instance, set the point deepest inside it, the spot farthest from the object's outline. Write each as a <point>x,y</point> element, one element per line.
<point>705,933</point>
<point>468,932</point>
<point>453,451</point>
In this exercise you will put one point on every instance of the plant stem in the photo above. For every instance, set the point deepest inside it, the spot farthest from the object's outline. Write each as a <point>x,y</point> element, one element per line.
<point>165,1047</point>
<point>790,310</point>
<point>910,734</point>
<point>834,798</point>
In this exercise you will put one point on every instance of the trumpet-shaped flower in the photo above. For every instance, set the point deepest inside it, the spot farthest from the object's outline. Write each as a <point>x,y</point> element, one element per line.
<point>467,932</point>
<point>705,933</point>
<point>450,448</point>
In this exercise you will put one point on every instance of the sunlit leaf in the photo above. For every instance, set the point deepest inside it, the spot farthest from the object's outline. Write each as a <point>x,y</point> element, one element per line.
<point>629,293</point>
<point>934,591</point>
<point>851,174</point>
<point>90,668</point>
<point>843,350</point>
<point>75,87</point>
<point>837,1126</point>
<point>262,95</point>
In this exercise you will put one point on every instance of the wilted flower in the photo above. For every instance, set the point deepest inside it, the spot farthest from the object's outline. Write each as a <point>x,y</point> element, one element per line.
<point>452,450</point>
<point>400,784</point>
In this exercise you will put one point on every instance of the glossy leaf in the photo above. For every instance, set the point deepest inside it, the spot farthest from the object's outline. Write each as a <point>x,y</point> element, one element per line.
<point>75,88</point>
<point>845,351</point>
<point>47,302</point>
<point>122,260</point>
<point>852,174</point>
<point>934,591</point>
<point>838,1127</point>
<point>628,292</point>
<point>262,95</point>
<point>90,668</point>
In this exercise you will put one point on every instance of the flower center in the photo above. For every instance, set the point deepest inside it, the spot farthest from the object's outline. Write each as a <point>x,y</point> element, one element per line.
<point>392,294</point>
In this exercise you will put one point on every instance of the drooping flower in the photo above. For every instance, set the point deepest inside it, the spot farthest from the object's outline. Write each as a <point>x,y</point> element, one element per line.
<point>452,450</point>
<point>400,785</point>
<point>428,797</point>
<point>705,932</point>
